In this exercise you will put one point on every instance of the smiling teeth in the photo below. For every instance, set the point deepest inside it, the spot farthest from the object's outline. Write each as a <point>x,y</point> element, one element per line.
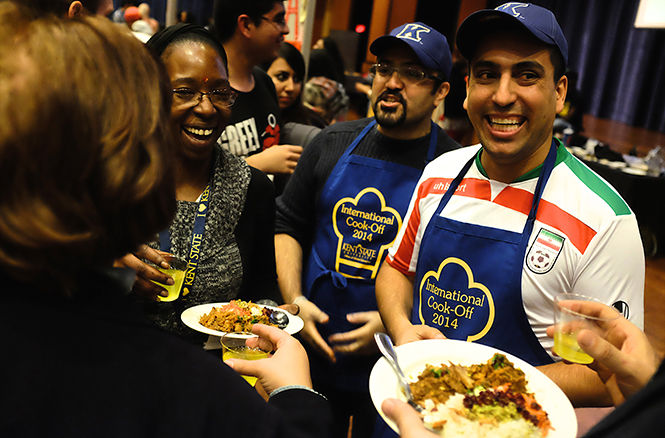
<point>504,122</point>
<point>196,131</point>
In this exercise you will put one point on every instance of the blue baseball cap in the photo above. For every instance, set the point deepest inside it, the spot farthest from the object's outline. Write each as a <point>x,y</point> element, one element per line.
<point>538,21</point>
<point>429,45</point>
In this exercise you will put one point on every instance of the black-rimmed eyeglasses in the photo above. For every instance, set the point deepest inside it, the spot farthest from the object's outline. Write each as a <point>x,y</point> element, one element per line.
<point>223,98</point>
<point>408,73</point>
<point>278,20</point>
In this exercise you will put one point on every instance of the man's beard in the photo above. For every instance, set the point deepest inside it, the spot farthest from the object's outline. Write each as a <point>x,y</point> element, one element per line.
<point>389,119</point>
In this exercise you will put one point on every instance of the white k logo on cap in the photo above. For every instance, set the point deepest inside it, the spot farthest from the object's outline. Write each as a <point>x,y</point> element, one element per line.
<point>512,6</point>
<point>412,32</point>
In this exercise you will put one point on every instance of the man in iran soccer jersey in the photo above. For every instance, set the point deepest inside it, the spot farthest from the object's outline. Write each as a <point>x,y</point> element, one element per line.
<point>495,231</point>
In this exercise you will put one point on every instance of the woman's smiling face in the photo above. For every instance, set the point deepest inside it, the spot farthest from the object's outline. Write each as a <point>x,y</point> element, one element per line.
<point>196,66</point>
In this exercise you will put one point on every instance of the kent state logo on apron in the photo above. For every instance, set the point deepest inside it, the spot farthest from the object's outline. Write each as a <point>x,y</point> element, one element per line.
<point>365,228</point>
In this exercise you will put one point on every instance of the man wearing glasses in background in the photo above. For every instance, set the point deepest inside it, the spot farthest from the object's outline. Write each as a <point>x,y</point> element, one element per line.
<point>251,32</point>
<point>343,206</point>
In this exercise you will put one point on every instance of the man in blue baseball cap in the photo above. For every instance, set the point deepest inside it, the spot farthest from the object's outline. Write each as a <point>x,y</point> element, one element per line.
<point>343,206</point>
<point>495,231</point>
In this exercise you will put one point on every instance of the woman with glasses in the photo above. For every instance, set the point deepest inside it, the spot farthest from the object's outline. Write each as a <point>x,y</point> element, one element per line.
<point>224,220</point>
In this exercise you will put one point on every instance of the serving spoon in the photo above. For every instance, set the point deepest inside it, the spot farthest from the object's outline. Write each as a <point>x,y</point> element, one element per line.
<point>388,351</point>
<point>277,317</point>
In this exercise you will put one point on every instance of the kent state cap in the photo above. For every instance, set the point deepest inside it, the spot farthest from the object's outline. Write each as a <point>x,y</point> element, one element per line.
<point>538,21</point>
<point>430,46</point>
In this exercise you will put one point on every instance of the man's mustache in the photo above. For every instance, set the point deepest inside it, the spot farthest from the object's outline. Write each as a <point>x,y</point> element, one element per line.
<point>397,95</point>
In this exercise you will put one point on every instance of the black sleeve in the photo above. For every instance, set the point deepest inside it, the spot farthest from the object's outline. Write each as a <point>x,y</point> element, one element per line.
<point>256,241</point>
<point>305,413</point>
<point>295,206</point>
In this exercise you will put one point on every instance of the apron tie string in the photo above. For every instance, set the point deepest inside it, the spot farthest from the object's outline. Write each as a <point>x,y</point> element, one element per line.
<point>337,279</point>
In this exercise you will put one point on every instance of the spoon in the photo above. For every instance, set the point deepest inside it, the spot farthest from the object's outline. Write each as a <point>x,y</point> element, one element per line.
<point>388,351</point>
<point>276,317</point>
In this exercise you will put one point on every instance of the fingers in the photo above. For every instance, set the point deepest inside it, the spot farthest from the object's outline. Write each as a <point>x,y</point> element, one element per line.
<point>590,308</point>
<point>146,271</point>
<point>345,337</point>
<point>293,309</point>
<point>407,419</point>
<point>155,256</point>
<point>246,367</point>
<point>602,351</point>
<point>359,317</point>
<point>427,332</point>
<point>312,335</point>
<point>148,289</point>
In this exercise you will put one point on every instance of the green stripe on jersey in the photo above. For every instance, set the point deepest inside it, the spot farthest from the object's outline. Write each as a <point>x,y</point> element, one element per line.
<point>597,185</point>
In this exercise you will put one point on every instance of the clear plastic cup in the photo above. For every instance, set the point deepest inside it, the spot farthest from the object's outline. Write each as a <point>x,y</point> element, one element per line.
<point>569,323</point>
<point>177,272</point>
<point>235,346</point>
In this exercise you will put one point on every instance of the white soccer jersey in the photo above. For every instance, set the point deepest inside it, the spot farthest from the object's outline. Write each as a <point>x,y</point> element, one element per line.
<point>585,239</point>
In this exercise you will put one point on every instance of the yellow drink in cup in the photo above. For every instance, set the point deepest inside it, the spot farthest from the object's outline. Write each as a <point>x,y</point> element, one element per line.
<point>566,346</point>
<point>234,346</point>
<point>568,323</point>
<point>247,354</point>
<point>173,290</point>
<point>177,272</point>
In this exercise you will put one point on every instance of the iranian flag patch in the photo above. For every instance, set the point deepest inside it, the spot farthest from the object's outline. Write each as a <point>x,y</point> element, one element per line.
<point>544,251</point>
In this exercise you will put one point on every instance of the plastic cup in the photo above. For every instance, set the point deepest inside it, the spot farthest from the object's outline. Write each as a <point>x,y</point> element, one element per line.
<point>177,272</point>
<point>569,323</point>
<point>234,346</point>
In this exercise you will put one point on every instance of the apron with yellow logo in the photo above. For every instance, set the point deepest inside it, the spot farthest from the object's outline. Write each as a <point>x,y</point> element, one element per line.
<point>359,214</point>
<point>468,281</point>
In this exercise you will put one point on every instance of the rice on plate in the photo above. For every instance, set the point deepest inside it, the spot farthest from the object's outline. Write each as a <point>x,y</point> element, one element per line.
<point>467,389</point>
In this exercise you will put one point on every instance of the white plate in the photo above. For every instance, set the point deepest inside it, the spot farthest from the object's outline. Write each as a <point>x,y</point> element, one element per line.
<point>192,316</point>
<point>414,356</point>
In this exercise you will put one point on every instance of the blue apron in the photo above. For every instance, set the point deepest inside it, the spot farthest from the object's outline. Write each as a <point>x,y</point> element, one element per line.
<point>468,279</point>
<point>358,216</point>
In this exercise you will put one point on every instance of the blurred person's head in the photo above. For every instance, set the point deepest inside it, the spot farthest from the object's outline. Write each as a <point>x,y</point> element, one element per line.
<point>183,17</point>
<point>202,97</point>
<point>144,10</point>
<point>260,24</point>
<point>413,65</point>
<point>131,15</point>
<point>89,166</point>
<point>287,72</point>
<point>70,8</point>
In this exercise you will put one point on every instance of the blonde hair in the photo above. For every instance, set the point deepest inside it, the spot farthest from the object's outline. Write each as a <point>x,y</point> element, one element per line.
<point>85,156</point>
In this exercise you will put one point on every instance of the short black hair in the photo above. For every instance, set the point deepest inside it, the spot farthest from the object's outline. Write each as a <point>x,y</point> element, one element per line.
<point>226,13</point>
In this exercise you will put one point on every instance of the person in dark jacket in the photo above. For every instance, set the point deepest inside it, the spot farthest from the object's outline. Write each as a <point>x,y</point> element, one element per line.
<point>90,169</point>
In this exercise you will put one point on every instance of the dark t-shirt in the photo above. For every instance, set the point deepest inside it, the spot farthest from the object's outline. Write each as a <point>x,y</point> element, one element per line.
<point>296,207</point>
<point>254,124</point>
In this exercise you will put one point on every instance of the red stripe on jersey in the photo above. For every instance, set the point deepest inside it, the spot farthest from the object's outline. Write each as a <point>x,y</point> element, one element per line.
<point>472,187</point>
<point>579,233</point>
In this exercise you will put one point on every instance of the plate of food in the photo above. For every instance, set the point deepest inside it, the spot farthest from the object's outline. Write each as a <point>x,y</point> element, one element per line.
<point>470,389</point>
<point>217,319</point>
